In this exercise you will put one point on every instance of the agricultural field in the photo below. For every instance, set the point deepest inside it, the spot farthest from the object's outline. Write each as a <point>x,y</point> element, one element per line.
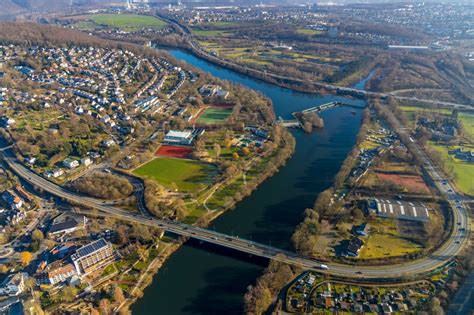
<point>409,183</point>
<point>213,115</point>
<point>184,175</point>
<point>212,33</point>
<point>126,22</point>
<point>266,55</point>
<point>463,171</point>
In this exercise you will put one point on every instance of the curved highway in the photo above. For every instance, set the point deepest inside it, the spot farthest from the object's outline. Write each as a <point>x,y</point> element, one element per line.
<point>439,258</point>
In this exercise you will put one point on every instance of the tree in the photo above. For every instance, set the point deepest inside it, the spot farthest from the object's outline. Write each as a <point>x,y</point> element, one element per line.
<point>118,295</point>
<point>104,306</point>
<point>25,258</point>
<point>235,156</point>
<point>68,293</point>
<point>246,151</point>
<point>227,143</point>
<point>435,307</point>
<point>217,150</point>
<point>37,236</point>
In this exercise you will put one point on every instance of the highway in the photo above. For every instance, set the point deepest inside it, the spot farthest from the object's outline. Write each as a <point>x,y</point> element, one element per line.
<point>439,258</point>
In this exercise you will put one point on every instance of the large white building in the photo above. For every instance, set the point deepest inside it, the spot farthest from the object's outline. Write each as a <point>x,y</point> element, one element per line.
<point>93,256</point>
<point>185,137</point>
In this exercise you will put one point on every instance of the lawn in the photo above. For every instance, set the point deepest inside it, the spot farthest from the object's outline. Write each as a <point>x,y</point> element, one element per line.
<point>467,121</point>
<point>463,171</point>
<point>385,241</point>
<point>185,175</point>
<point>385,245</point>
<point>307,31</point>
<point>128,22</point>
<point>213,115</point>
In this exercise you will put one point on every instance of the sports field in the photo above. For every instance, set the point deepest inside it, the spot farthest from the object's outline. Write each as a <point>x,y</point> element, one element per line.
<point>174,151</point>
<point>128,22</point>
<point>213,115</point>
<point>185,175</point>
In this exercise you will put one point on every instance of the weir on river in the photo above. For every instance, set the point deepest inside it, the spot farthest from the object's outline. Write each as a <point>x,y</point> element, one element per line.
<point>203,279</point>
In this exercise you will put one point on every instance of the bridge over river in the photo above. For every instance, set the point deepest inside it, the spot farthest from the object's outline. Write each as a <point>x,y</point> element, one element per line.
<point>421,266</point>
<point>295,123</point>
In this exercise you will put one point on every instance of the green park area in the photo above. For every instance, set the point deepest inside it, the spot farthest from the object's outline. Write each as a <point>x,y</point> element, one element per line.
<point>213,115</point>
<point>463,171</point>
<point>307,31</point>
<point>127,22</point>
<point>185,175</point>
<point>384,241</point>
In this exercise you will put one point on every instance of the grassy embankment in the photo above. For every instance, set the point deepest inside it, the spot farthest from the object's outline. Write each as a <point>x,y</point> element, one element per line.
<point>126,22</point>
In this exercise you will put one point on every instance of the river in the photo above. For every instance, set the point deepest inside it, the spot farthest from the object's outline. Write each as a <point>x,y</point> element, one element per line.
<point>205,279</point>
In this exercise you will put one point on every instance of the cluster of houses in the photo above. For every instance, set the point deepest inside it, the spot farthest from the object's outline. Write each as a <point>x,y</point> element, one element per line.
<point>307,294</point>
<point>368,300</point>
<point>63,265</point>
<point>67,164</point>
<point>91,81</point>
<point>463,155</point>
<point>383,138</point>
<point>67,263</point>
<point>441,129</point>
<point>15,212</point>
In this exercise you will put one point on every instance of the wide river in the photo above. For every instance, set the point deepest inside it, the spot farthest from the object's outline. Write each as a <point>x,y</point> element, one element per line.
<point>205,279</point>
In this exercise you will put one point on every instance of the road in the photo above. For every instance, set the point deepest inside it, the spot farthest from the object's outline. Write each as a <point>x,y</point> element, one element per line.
<point>198,50</point>
<point>439,258</point>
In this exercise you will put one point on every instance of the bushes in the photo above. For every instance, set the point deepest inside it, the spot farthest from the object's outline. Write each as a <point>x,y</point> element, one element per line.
<point>105,186</point>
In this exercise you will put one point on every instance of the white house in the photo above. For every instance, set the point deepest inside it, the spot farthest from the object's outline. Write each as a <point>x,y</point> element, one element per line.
<point>30,160</point>
<point>86,161</point>
<point>70,163</point>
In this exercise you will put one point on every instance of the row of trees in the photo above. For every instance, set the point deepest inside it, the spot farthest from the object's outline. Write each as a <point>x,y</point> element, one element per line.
<point>159,206</point>
<point>260,297</point>
<point>105,186</point>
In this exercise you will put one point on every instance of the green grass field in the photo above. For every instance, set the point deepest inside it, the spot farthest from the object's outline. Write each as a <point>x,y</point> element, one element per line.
<point>128,22</point>
<point>467,121</point>
<point>307,31</point>
<point>214,115</point>
<point>463,171</point>
<point>187,175</point>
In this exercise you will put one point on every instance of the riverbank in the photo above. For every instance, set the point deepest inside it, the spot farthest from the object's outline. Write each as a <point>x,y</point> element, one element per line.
<point>270,165</point>
<point>271,78</point>
<point>269,215</point>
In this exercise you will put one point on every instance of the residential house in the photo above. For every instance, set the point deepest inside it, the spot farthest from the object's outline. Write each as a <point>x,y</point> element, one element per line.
<point>70,163</point>
<point>66,224</point>
<point>13,285</point>
<point>86,161</point>
<point>12,199</point>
